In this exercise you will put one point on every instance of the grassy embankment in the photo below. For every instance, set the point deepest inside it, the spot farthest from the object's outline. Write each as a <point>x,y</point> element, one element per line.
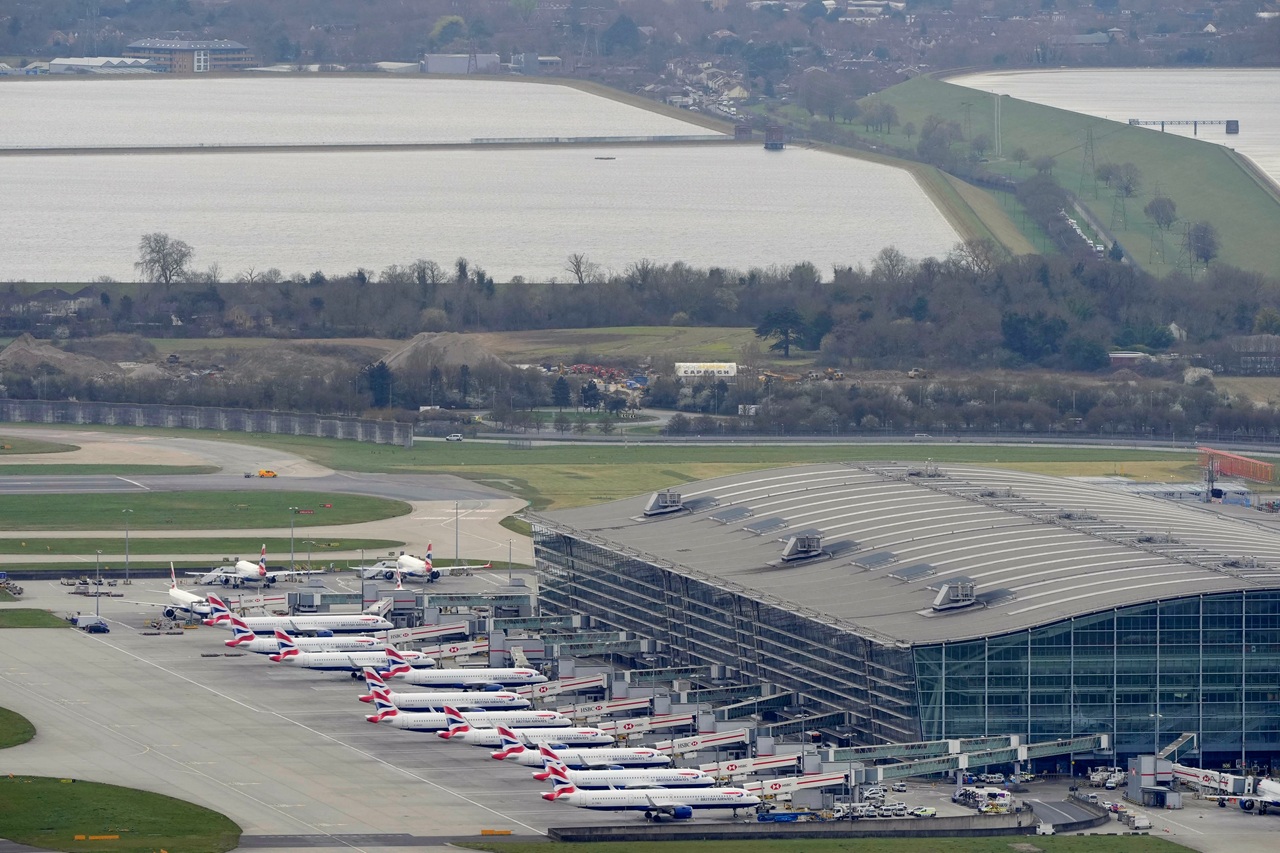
<point>29,617</point>
<point>191,510</point>
<point>13,445</point>
<point>573,475</point>
<point>1206,181</point>
<point>1057,844</point>
<point>74,815</point>
<point>14,729</point>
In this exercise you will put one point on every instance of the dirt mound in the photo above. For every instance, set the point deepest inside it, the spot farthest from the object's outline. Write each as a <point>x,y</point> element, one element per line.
<point>296,361</point>
<point>115,348</point>
<point>444,348</point>
<point>28,355</point>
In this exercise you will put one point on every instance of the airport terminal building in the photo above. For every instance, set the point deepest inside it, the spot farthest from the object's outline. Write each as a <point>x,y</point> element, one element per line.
<point>925,602</point>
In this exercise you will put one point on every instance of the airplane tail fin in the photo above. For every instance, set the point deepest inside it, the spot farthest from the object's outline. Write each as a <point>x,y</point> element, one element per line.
<point>218,611</point>
<point>561,787</point>
<point>262,562</point>
<point>457,723</point>
<point>240,632</point>
<point>396,663</point>
<point>173,576</point>
<point>399,581</point>
<point>426,558</point>
<point>288,648</point>
<point>559,776</point>
<point>384,708</point>
<point>549,757</point>
<point>374,682</point>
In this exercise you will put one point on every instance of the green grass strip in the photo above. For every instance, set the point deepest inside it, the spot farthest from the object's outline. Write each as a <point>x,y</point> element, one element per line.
<point>176,548</point>
<point>11,446</point>
<point>50,813</point>
<point>191,510</point>
<point>14,729</point>
<point>1055,844</point>
<point>29,617</point>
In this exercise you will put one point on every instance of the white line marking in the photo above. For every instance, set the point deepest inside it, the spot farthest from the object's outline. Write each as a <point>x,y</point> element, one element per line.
<point>134,483</point>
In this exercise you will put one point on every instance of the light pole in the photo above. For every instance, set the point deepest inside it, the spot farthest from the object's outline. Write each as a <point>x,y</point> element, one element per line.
<point>127,513</point>
<point>97,593</point>
<point>310,542</point>
<point>293,513</point>
<point>508,561</point>
<point>456,558</point>
<point>1155,732</point>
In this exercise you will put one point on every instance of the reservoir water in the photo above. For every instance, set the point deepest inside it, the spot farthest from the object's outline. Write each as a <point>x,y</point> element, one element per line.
<point>514,212</point>
<point>1250,95</point>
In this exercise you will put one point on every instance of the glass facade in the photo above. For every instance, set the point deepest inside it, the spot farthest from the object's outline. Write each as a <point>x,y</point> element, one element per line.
<point>1144,674</point>
<point>699,622</point>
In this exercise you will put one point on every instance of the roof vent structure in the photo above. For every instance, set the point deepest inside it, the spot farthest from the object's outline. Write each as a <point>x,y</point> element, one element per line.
<point>663,502</point>
<point>953,596</point>
<point>802,547</point>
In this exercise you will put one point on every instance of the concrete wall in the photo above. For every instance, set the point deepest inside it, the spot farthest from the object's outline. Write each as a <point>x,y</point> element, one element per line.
<point>749,828</point>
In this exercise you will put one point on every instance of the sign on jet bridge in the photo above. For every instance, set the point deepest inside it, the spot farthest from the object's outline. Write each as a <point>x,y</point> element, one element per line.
<point>693,744</point>
<point>599,709</point>
<point>748,766</point>
<point>638,725</point>
<point>774,787</point>
<point>454,650</point>
<point>564,685</point>
<point>426,632</point>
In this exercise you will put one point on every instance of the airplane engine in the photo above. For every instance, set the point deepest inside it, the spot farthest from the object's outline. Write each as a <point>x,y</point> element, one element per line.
<point>1246,805</point>
<point>170,613</point>
<point>389,574</point>
<point>324,632</point>
<point>435,574</point>
<point>682,813</point>
<point>491,688</point>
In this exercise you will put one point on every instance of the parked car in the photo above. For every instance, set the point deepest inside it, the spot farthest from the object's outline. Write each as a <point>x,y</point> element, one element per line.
<point>455,436</point>
<point>899,787</point>
<point>923,811</point>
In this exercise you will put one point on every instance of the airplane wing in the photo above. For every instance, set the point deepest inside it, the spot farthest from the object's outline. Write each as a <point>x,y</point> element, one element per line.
<point>293,573</point>
<point>208,577</point>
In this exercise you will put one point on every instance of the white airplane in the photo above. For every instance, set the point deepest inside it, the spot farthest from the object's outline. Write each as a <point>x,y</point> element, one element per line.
<point>667,777</point>
<point>409,566</point>
<point>656,803</point>
<point>580,759</point>
<point>388,659</point>
<point>435,700</point>
<point>244,638</point>
<point>245,572</point>
<point>429,721</point>
<point>462,731</point>
<point>353,623</point>
<point>1266,795</point>
<point>483,679</point>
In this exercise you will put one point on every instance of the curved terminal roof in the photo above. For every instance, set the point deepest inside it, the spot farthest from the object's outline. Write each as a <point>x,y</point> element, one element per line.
<point>1036,548</point>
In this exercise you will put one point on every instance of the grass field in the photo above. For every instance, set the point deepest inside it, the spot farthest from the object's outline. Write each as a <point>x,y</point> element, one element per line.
<point>29,617</point>
<point>190,510</point>
<point>1203,179</point>
<point>247,548</point>
<point>72,469</point>
<point>6,596</point>
<point>1062,844</point>
<point>14,729</point>
<point>13,445</point>
<point>50,813</point>
<point>679,343</point>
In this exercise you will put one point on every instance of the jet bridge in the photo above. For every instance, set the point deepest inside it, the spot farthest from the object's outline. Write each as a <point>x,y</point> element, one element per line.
<point>953,755</point>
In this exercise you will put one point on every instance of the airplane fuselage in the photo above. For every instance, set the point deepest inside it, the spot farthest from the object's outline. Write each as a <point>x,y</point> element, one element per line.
<point>567,736</point>
<point>658,799</point>
<point>433,700</point>
<point>351,661</point>
<point>673,777</point>
<point>578,759</point>
<point>461,679</point>
<point>353,624</point>
<point>428,721</point>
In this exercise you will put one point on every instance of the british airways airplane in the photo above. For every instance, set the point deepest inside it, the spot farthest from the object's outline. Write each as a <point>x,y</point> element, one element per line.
<point>512,749</point>
<point>666,777</point>
<point>460,730</point>
<point>485,679</point>
<point>656,803</point>
<point>244,638</point>
<point>436,700</point>
<point>389,658</point>
<point>244,571</point>
<point>427,721</point>
<point>353,623</point>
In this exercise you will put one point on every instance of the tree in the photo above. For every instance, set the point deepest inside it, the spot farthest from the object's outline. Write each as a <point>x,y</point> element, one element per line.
<point>162,259</point>
<point>1202,242</point>
<point>582,269</point>
<point>1044,164</point>
<point>581,425</point>
<point>1128,178</point>
<point>561,394</point>
<point>1019,156</point>
<point>606,425</point>
<point>850,110</point>
<point>979,145</point>
<point>1163,211</point>
<point>622,33</point>
<point>379,378</point>
<point>590,394</point>
<point>562,423</point>
<point>787,325</point>
<point>909,129</point>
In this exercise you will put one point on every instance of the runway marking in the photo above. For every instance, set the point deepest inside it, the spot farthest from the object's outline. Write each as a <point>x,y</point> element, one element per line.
<point>134,483</point>
<point>1175,823</point>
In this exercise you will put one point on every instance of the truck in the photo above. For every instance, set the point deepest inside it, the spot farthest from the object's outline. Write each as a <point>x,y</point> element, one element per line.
<point>262,472</point>
<point>917,373</point>
<point>1138,821</point>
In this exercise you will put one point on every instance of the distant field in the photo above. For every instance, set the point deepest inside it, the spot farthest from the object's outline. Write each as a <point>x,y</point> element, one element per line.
<point>50,813</point>
<point>1259,389</point>
<point>14,729</point>
<point>1052,844</point>
<point>28,617</point>
<point>190,510</point>
<point>1203,179</point>
<point>142,547</point>
<point>681,343</point>
<point>166,346</point>
<point>13,445</point>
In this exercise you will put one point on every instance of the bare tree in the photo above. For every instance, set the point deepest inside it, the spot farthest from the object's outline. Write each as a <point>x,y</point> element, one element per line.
<point>1128,178</point>
<point>162,259</point>
<point>1202,242</point>
<point>1019,156</point>
<point>582,269</point>
<point>1044,164</point>
<point>1163,211</point>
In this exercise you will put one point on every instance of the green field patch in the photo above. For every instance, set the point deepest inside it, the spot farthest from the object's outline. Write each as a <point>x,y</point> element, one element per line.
<point>176,548</point>
<point>74,470</point>
<point>1205,180</point>
<point>517,525</point>
<point>191,510</point>
<point>1049,844</point>
<point>680,343</point>
<point>29,617</point>
<point>13,445</point>
<point>14,729</point>
<point>50,813</point>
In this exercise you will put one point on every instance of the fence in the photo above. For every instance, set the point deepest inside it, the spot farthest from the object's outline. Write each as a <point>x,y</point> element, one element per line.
<point>204,417</point>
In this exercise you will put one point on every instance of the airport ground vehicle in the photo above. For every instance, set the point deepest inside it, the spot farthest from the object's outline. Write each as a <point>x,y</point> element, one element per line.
<point>456,436</point>
<point>923,811</point>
